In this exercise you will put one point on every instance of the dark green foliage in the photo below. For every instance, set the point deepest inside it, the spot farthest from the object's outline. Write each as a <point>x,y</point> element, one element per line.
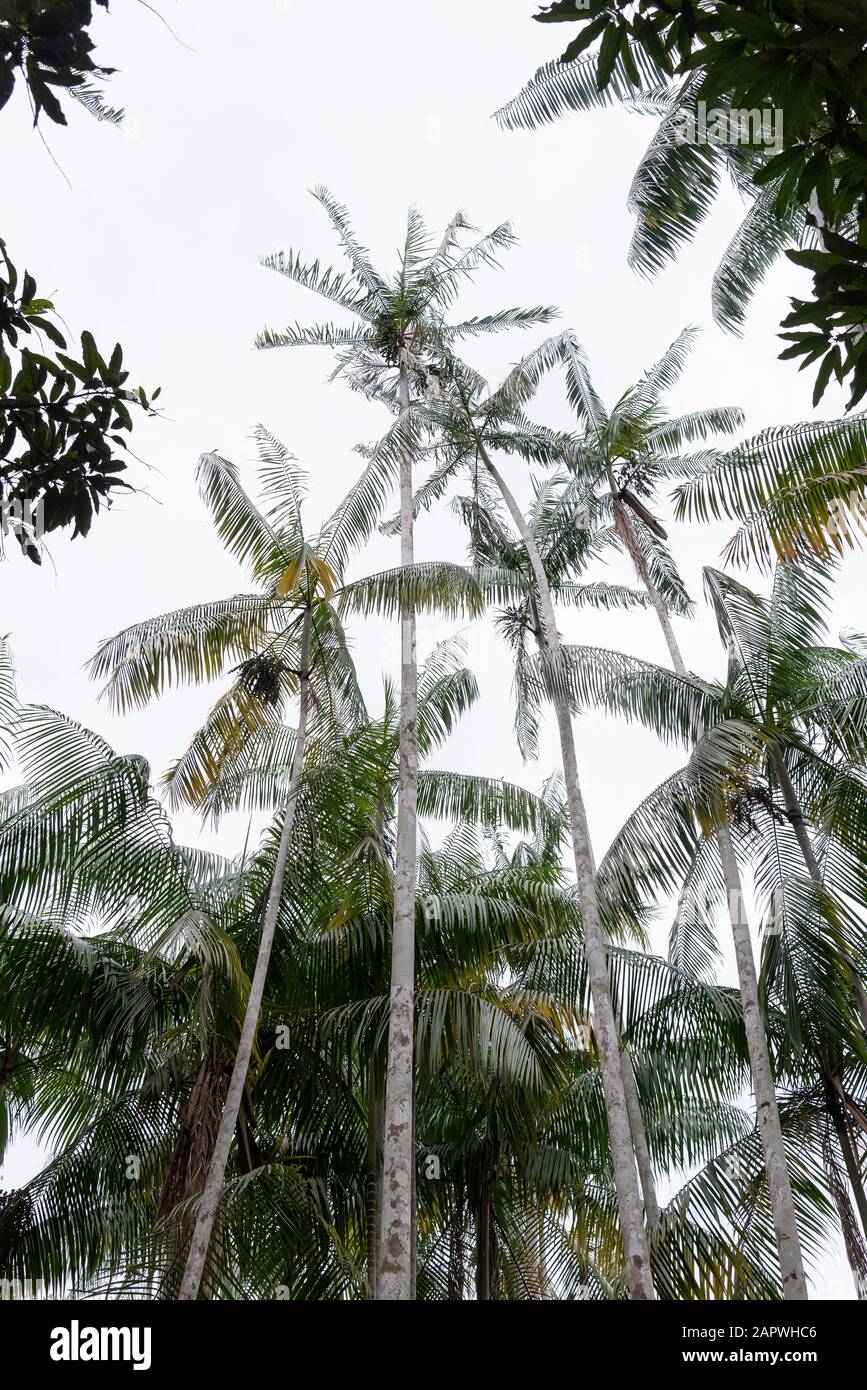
<point>63,419</point>
<point>46,43</point>
<point>830,327</point>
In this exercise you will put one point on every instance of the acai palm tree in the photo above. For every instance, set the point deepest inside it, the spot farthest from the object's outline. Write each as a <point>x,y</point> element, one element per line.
<point>285,635</point>
<point>469,424</point>
<point>757,739</point>
<point>392,350</point>
<point>629,450</point>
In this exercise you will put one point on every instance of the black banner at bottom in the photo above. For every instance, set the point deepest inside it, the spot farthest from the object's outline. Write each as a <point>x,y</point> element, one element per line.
<point>86,1339</point>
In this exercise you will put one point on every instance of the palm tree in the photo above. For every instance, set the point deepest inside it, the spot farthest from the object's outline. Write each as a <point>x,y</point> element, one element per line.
<point>394,346</point>
<point>209,1202</point>
<point>290,637</point>
<point>469,423</point>
<point>812,749</point>
<point>113,934</point>
<point>351,791</point>
<point>747,724</point>
<point>283,634</point>
<point>629,450</point>
<point>793,486</point>
<point>790,748</point>
<point>558,522</point>
<point>796,489</point>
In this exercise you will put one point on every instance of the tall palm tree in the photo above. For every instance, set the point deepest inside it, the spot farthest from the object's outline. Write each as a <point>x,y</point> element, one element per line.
<point>641,444</point>
<point>558,522</point>
<point>283,635</point>
<point>558,519</point>
<point>796,489</point>
<point>291,637</point>
<point>799,698</point>
<point>395,344</point>
<point>750,724</point>
<point>789,743</point>
<point>469,424</point>
<point>628,451</point>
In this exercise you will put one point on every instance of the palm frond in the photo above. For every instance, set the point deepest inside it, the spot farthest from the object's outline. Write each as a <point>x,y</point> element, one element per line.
<point>340,288</point>
<point>796,490</point>
<point>559,87</point>
<point>8,702</point>
<point>433,585</point>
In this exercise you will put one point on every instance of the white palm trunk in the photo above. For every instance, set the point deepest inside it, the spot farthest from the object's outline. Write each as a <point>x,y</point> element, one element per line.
<point>395,1281</point>
<point>639,1141</point>
<point>625,1179</point>
<point>768,1116</point>
<point>779,1185</point>
<point>207,1208</point>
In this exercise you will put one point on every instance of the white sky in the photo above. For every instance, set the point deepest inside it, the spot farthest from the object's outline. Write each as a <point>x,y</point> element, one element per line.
<point>156,243</point>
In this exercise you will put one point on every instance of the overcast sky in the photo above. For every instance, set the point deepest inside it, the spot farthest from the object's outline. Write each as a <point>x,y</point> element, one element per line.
<point>151,234</point>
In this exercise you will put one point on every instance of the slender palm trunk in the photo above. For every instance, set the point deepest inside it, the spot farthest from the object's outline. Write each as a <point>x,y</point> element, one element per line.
<point>191,1157</point>
<point>413,1211</point>
<point>795,814</point>
<point>768,1115</point>
<point>395,1280</point>
<point>542,1254</point>
<point>374,1182</point>
<point>625,1179</point>
<point>850,1159</point>
<point>457,1255</point>
<point>640,1146</point>
<point>639,1142</point>
<point>207,1209</point>
<point>486,1231</point>
<point>483,1248</point>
